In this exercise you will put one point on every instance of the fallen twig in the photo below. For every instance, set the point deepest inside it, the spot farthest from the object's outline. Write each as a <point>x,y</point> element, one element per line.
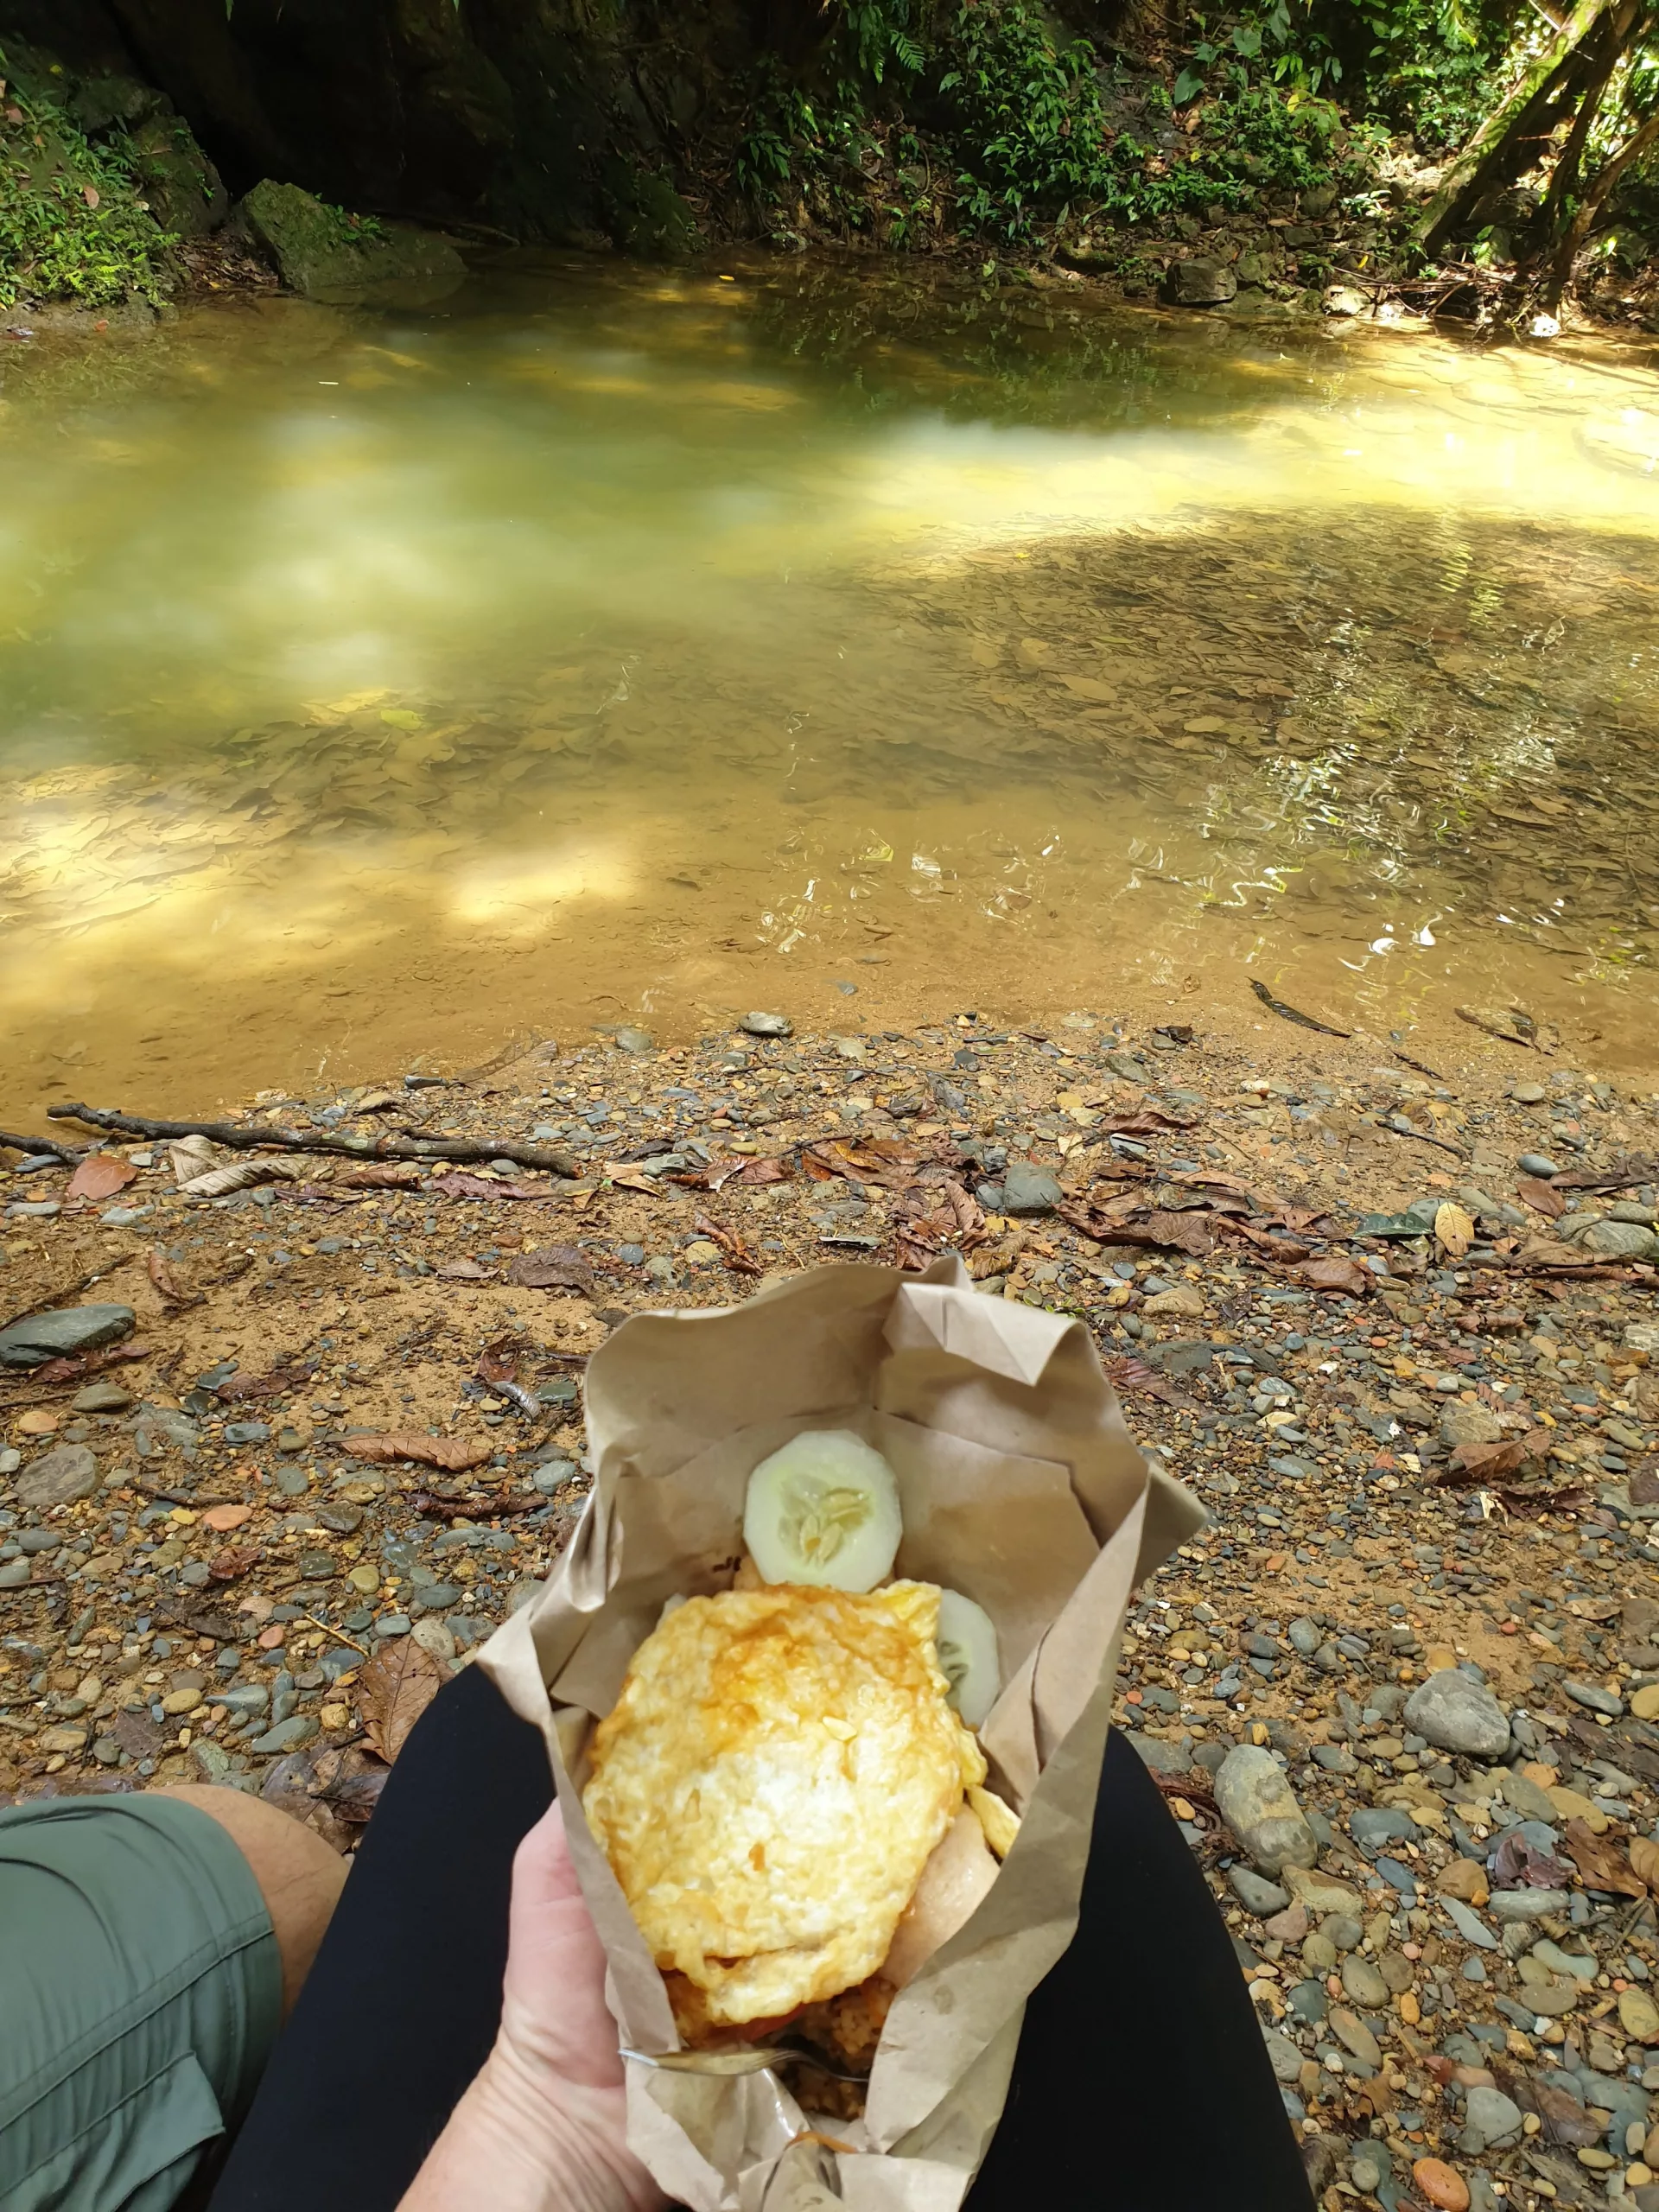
<point>338,1634</point>
<point>476,1508</point>
<point>1274,1005</point>
<point>1402,1128</point>
<point>69,1153</point>
<point>238,1137</point>
<point>1421,1066</point>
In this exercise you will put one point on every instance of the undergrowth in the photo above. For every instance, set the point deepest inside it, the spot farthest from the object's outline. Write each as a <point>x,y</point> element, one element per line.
<point>71,221</point>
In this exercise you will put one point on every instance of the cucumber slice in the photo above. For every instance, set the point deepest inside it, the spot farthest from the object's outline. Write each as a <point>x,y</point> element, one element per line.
<point>823,1510</point>
<point>968,1657</point>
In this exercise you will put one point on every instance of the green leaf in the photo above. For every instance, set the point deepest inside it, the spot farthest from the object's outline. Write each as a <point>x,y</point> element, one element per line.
<point>1187,87</point>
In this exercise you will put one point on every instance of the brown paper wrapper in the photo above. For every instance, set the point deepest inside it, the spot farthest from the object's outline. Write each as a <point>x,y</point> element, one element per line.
<point>1021,1488</point>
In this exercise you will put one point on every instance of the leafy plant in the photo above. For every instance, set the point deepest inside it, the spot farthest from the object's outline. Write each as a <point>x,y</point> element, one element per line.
<point>71,222</point>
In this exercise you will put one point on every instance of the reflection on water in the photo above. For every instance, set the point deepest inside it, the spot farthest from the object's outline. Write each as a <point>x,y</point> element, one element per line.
<point>615,643</point>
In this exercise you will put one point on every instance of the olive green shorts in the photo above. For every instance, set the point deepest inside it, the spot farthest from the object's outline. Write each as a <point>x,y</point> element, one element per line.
<point>140,1994</point>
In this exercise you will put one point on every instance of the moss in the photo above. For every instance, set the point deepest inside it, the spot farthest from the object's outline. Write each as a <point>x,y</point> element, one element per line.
<point>73,220</point>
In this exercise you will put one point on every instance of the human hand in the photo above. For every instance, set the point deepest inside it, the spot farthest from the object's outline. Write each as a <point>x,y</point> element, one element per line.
<point>543,2128</point>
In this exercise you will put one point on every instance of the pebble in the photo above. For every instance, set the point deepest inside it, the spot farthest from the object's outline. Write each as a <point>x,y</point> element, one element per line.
<point>101,1398</point>
<point>767,1025</point>
<point>1259,1806</point>
<point>1027,1189</point>
<point>1597,1698</point>
<point>1518,1906</point>
<point>1255,1893</point>
<point>1364,1983</point>
<point>1441,2185</point>
<point>1490,2117</point>
<point>287,1736</point>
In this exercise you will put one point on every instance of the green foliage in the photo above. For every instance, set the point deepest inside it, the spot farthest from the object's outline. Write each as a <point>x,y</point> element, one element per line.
<point>71,221</point>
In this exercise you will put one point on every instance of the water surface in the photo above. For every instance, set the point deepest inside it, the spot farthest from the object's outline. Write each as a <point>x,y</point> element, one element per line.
<point>614,645</point>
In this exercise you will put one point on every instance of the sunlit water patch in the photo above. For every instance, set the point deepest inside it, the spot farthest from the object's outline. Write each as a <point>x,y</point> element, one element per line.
<point>618,644</point>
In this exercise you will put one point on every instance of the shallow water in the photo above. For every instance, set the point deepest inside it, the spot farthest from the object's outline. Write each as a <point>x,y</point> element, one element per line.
<point>613,646</point>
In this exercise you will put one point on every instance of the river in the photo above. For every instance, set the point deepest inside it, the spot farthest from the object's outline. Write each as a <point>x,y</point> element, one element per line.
<point>617,645</point>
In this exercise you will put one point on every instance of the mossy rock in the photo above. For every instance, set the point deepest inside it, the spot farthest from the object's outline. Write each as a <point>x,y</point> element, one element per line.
<point>185,192</point>
<point>329,255</point>
<point>651,219</point>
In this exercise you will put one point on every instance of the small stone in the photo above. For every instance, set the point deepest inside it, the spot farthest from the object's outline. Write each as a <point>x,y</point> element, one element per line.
<point>1353,2035</point>
<point>432,1636</point>
<point>1638,2015</point>
<point>57,1478</point>
<point>62,1740</point>
<point>1513,1906</point>
<point>1182,1299</point>
<point>630,1039</point>
<point>1597,1698</point>
<point>1321,1893</point>
<point>1306,1636</point>
<point>1441,2185</point>
<point>1462,1425</point>
<point>1492,2115</point>
<point>178,1701</point>
<point>13,1573</point>
<point>1364,1983</point>
<point>1460,1714</point>
<point>1644,1703</point>
<point>1259,1806</point>
<point>1622,1240</point>
<point>102,1398</point>
<point>364,1578</point>
<point>1535,1163</point>
<point>1029,1189</point>
<point>287,1736</point>
<point>767,1025</point>
<point>1528,1094</point>
<point>1464,1879</point>
<point>1342,300</point>
<point>1282,2054</point>
<point>1255,1894</point>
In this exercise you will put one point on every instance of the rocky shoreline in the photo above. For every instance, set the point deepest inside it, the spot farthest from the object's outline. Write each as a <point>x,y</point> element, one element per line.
<point>314,1428</point>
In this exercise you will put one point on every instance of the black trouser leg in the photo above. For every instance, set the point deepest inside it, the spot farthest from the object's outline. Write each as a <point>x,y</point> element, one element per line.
<point>403,2001</point>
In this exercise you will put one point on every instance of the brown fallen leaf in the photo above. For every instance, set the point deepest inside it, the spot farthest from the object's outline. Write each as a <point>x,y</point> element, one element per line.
<point>101,1176</point>
<point>634,1178</point>
<point>273,1384</point>
<point>1633,1167</point>
<point>1543,1198</point>
<point>454,1453</point>
<point>87,1362</point>
<point>478,1507</point>
<point>1483,1461</point>
<point>1644,1861</point>
<point>348,1781</point>
<point>1453,1229</point>
<point>394,1175</point>
<point>160,1270</point>
<point>458,1184</point>
<point>393,1691</point>
<point>235,1560</point>
<point>736,1254</point>
<point>1124,1372</point>
<point>202,1620</point>
<point>1599,1864</point>
<point>462,1271</point>
<point>553,1267</point>
<point>1150,1121</point>
<point>1336,1274</point>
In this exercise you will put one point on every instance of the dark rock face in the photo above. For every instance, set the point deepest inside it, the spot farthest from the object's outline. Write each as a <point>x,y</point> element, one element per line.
<point>528,119</point>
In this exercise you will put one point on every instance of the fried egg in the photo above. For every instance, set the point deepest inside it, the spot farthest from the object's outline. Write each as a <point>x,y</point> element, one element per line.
<point>774,1776</point>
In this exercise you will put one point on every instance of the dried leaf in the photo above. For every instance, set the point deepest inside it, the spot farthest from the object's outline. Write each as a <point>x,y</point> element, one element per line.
<point>553,1267</point>
<point>394,1175</point>
<point>235,1560</point>
<point>634,1178</point>
<point>72,1369</point>
<point>736,1254</point>
<point>1644,1861</point>
<point>1484,1462</point>
<point>276,1383</point>
<point>393,1691</point>
<point>1124,1372</point>
<point>1337,1274</point>
<point>1542,1198</point>
<point>462,1271</point>
<point>1520,1865</point>
<point>1150,1121</point>
<point>453,1453</point>
<point>1600,1867</point>
<point>202,1620</point>
<point>101,1176</point>
<point>160,1270</point>
<point>458,1184</point>
<point>348,1781</point>
<point>1454,1230</point>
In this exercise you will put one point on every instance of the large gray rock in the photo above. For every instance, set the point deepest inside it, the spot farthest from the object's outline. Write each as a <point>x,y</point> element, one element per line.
<point>57,1478</point>
<point>1492,2116</point>
<point>1202,283</point>
<point>1259,1806</point>
<point>319,251</point>
<point>1028,1188</point>
<point>1459,1713</point>
<point>61,1333</point>
<point>1622,1240</point>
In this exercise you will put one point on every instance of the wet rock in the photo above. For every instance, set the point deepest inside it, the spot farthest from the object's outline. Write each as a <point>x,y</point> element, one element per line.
<point>318,252</point>
<point>1202,283</point>
<point>1460,1714</point>
<point>1342,300</point>
<point>1259,1806</point>
<point>63,1332</point>
<point>57,1478</point>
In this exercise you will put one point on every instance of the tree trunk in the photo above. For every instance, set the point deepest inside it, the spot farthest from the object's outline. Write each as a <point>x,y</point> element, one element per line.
<point>1607,44</point>
<point>1560,274</point>
<point>1483,156</point>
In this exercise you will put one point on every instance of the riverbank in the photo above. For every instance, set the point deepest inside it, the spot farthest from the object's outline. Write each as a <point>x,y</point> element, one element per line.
<point>1410,1374</point>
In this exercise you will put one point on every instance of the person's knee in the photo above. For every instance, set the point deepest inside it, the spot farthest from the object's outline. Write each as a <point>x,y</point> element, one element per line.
<point>300,1877</point>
